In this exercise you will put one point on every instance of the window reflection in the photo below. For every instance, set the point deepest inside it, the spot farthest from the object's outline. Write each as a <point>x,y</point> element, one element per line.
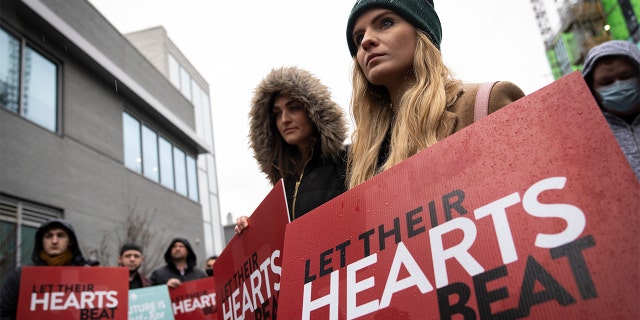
<point>150,154</point>
<point>38,77</point>
<point>158,159</point>
<point>192,178</point>
<point>40,90</point>
<point>180,167</point>
<point>166,163</point>
<point>9,71</point>
<point>131,142</point>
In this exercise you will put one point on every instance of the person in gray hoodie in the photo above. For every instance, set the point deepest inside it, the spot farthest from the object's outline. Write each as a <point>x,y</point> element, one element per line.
<point>181,265</point>
<point>612,72</point>
<point>55,245</point>
<point>297,133</point>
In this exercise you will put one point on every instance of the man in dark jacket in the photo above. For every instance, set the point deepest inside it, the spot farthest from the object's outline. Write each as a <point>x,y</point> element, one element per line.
<point>180,267</point>
<point>132,258</point>
<point>55,245</point>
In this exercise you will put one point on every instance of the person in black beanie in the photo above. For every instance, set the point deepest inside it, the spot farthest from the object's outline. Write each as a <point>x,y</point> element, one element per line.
<point>404,98</point>
<point>131,257</point>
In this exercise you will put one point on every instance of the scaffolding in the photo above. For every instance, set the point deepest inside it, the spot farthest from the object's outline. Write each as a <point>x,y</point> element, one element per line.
<point>582,26</point>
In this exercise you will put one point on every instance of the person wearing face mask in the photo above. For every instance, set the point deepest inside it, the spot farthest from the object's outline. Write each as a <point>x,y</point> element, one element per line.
<point>209,266</point>
<point>612,72</point>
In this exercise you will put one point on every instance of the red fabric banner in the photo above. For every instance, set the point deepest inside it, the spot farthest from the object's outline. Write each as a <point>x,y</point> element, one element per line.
<point>80,293</point>
<point>530,212</point>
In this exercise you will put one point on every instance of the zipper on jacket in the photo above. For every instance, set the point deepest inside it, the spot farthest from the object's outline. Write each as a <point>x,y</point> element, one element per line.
<point>295,191</point>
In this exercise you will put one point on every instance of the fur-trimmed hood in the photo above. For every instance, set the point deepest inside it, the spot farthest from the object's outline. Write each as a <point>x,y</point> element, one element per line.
<point>304,87</point>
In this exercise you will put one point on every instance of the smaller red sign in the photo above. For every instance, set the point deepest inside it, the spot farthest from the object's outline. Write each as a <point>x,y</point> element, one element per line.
<point>248,270</point>
<point>194,300</point>
<point>80,293</point>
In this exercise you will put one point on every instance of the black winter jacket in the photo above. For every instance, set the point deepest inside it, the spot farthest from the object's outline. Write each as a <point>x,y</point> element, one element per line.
<point>163,274</point>
<point>323,180</point>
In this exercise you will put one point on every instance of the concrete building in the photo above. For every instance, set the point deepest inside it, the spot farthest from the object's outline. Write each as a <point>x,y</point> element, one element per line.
<point>156,46</point>
<point>93,131</point>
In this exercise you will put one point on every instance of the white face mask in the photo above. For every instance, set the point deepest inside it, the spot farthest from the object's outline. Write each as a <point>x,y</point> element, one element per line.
<point>620,96</point>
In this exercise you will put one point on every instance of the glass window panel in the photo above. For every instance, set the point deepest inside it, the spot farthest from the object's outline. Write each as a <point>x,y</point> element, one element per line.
<point>213,175</point>
<point>197,107</point>
<point>192,178</point>
<point>207,119</point>
<point>180,170</point>
<point>9,71</point>
<point>166,163</point>
<point>174,71</point>
<point>40,91</point>
<point>185,83</point>
<point>150,154</point>
<point>131,137</point>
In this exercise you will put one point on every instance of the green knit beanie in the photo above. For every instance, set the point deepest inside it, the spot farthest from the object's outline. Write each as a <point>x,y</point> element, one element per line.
<point>420,13</point>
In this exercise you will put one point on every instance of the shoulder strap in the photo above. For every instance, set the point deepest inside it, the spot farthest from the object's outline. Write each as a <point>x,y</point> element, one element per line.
<point>482,100</point>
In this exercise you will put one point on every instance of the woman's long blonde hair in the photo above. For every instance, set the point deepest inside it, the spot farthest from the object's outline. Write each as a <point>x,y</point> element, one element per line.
<point>413,126</point>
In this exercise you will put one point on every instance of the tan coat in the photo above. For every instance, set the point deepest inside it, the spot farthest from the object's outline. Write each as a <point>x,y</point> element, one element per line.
<point>461,113</point>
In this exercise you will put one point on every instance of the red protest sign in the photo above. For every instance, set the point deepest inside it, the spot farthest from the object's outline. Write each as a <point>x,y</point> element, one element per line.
<point>194,300</point>
<point>531,212</point>
<point>73,293</point>
<point>248,270</point>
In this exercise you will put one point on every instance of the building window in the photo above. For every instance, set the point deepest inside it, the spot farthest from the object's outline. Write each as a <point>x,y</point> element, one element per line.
<point>23,68</point>
<point>9,71</point>
<point>174,71</point>
<point>185,83</point>
<point>150,154</point>
<point>180,166</point>
<point>19,221</point>
<point>166,163</point>
<point>131,136</point>
<point>180,77</point>
<point>147,153</point>
<point>192,178</point>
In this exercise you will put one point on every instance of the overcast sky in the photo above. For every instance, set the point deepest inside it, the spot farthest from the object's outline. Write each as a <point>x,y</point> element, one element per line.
<point>234,44</point>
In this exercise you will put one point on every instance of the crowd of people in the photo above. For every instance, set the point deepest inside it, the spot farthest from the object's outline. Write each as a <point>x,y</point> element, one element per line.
<point>404,100</point>
<point>56,244</point>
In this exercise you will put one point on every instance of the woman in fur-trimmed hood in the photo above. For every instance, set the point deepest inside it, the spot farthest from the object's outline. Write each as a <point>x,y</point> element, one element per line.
<point>297,133</point>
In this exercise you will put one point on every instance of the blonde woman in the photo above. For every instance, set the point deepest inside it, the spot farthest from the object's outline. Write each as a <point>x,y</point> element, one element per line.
<point>404,97</point>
